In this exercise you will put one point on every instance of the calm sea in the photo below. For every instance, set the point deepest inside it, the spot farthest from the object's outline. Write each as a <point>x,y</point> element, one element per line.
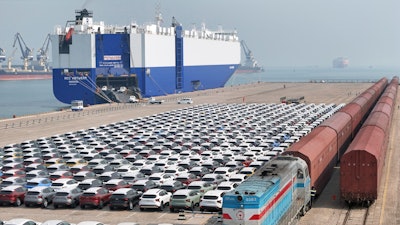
<point>36,96</point>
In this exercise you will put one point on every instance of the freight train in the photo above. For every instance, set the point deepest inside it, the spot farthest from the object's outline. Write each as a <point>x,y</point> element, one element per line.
<point>324,145</point>
<point>362,164</point>
<point>281,190</point>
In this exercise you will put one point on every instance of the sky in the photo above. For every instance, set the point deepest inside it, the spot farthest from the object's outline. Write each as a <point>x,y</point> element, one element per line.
<point>290,33</point>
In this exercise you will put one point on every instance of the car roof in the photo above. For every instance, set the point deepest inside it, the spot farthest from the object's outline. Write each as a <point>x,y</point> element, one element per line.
<point>122,190</point>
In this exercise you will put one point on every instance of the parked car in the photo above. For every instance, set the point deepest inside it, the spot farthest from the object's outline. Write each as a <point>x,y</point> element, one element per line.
<point>226,186</point>
<point>95,197</point>
<point>63,183</point>
<point>60,174</point>
<point>199,171</point>
<point>187,178</point>
<point>144,185</point>
<point>212,200</point>
<point>36,174</point>
<point>184,199</point>
<point>83,175</point>
<point>37,182</point>
<point>21,221</point>
<point>39,196</point>
<point>214,178</point>
<point>88,183</point>
<point>154,198</point>
<point>67,197</point>
<point>125,198</point>
<point>115,184</point>
<point>13,181</point>
<point>185,101</point>
<point>13,173</point>
<point>12,195</point>
<point>201,186</point>
<point>172,186</point>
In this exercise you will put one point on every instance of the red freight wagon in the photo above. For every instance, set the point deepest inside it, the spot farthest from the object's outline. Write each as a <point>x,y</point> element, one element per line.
<point>361,166</point>
<point>318,149</point>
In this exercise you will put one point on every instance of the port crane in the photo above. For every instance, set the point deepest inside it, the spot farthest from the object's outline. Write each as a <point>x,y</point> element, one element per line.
<point>25,50</point>
<point>42,52</point>
<point>2,55</point>
<point>250,60</point>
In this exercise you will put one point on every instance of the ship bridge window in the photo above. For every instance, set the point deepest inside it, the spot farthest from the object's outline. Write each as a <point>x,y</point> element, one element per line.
<point>300,174</point>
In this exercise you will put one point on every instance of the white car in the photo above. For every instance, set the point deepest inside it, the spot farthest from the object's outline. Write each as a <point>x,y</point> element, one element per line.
<point>185,101</point>
<point>212,200</point>
<point>122,89</point>
<point>133,99</point>
<point>155,198</point>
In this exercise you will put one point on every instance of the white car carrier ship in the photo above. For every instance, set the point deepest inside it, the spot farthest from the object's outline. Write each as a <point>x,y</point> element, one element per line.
<point>148,60</point>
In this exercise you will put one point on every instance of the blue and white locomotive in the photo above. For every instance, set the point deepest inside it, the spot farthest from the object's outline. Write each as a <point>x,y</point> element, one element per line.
<point>276,194</point>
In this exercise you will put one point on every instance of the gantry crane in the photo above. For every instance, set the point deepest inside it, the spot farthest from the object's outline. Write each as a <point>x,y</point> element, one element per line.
<point>42,52</point>
<point>25,50</point>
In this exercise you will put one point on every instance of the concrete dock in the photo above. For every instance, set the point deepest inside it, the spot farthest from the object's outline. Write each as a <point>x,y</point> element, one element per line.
<point>328,209</point>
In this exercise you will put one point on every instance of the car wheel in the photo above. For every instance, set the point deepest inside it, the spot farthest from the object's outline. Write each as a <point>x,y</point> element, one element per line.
<point>55,206</point>
<point>172,210</point>
<point>192,206</point>
<point>162,206</point>
<point>130,205</point>
<point>141,209</point>
<point>18,202</point>
<point>45,204</point>
<point>81,206</point>
<point>101,205</point>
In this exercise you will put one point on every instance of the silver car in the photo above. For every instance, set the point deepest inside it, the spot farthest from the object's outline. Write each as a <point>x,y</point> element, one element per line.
<point>67,197</point>
<point>39,196</point>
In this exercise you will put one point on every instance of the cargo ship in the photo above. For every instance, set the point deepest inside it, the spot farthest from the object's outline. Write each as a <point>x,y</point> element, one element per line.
<point>93,61</point>
<point>340,62</point>
<point>16,74</point>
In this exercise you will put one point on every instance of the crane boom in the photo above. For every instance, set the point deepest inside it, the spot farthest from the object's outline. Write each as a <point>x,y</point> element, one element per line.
<point>25,50</point>
<point>42,52</point>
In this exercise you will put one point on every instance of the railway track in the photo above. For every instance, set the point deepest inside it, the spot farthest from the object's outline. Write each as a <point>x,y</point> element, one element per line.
<point>356,215</point>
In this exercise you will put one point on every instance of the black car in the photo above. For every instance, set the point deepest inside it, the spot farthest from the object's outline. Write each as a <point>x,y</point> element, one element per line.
<point>125,198</point>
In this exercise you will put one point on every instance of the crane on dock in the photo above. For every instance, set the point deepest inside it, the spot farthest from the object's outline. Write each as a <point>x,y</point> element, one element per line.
<point>2,55</point>
<point>27,55</point>
<point>250,65</point>
<point>42,56</point>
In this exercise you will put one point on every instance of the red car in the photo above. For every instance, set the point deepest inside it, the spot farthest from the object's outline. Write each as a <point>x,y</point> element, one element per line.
<point>12,195</point>
<point>95,197</point>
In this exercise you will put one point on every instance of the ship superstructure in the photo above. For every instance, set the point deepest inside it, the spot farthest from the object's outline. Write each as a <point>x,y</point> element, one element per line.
<point>93,59</point>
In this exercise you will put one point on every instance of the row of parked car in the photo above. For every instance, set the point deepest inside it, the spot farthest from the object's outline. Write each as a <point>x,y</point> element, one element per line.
<point>182,159</point>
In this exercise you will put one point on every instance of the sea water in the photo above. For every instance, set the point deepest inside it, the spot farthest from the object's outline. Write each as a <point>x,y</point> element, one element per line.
<point>26,97</point>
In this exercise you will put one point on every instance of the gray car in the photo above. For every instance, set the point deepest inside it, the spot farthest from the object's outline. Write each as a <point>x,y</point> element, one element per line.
<point>39,196</point>
<point>67,197</point>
